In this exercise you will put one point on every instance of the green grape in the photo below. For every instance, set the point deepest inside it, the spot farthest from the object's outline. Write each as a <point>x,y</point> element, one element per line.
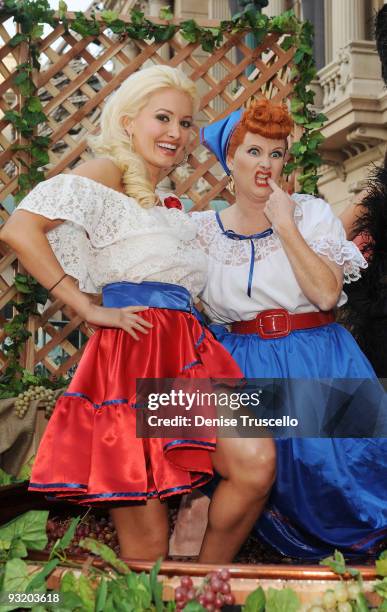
<point>329,599</point>
<point>353,590</point>
<point>344,607</point>
<point>341,593</point>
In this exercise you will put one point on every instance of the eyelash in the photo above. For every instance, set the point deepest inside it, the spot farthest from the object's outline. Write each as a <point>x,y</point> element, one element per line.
<point>185,124</point>
<point>274,153</point>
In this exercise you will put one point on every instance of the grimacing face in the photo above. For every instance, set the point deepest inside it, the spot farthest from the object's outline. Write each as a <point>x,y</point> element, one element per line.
<point>162,129</point>
<point>255,160</point>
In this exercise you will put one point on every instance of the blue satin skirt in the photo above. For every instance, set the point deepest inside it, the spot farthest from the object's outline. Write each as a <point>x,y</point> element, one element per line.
<point>329,493</point>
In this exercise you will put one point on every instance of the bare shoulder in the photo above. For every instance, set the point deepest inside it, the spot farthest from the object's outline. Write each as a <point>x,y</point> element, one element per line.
<point>102,171</point>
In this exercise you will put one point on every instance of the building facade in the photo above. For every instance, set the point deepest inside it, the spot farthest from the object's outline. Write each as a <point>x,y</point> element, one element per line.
<point>349,89</point>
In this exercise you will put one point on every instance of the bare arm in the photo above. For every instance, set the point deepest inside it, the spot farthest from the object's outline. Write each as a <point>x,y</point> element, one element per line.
<point>25,233</point>
<point>352,213</point>
<point>320,279</point>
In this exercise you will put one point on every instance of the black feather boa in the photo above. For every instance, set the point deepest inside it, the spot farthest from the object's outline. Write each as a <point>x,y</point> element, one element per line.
<point>365,313</point>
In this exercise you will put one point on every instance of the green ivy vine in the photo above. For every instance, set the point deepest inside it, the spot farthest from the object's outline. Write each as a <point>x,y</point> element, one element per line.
<point>32,15</point>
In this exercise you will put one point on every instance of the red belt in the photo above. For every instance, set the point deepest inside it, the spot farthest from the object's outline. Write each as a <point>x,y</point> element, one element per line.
<point>278,322</point>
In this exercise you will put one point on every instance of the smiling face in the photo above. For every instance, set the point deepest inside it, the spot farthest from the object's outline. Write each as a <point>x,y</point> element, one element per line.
<point>161,130</point>
<point>255,160</point>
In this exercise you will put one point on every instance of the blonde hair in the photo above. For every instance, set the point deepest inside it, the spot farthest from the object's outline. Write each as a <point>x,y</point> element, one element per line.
<point>113,143</point>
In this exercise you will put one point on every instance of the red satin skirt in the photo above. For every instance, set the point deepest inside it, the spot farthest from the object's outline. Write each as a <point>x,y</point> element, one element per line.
<point>90,453</point>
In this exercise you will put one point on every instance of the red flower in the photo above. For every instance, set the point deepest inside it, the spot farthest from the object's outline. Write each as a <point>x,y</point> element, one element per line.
<point>173,202</point>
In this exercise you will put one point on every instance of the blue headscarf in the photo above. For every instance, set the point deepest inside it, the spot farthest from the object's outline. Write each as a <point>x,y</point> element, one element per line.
<point>216,137</point>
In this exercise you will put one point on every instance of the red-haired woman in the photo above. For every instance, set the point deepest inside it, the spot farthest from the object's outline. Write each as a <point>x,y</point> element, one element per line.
<point>276,267</point>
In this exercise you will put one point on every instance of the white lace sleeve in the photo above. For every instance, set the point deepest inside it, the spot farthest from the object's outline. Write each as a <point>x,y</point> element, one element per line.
<point>325,234</point>
<point>67,198</point>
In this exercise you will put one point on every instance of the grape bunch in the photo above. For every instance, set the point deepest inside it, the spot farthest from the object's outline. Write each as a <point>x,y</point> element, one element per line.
<point>98,528</point>
<point>24,399</point>
<point>213,594</point>
<point>338,599</point>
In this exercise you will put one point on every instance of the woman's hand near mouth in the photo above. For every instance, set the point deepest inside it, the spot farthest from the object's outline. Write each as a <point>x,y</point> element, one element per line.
<point>279,208</point>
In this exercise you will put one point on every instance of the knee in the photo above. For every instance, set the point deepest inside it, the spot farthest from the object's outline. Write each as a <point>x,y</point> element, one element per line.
<point>255,468</point>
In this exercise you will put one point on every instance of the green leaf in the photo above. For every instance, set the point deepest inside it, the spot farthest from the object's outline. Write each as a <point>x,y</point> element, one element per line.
<point>256,601</point>
<point>101,595</point>
<point>109,16</point>
<point>34,104</point>
<point>16,576</point>
<point>37,31</point>
<point>137,17</point>
<point>80,586</point>
<point>65,540</point>
<point>166,13</point>
<point>360,604</point>
<point>6,479</point>
<point>156,586</point>
<point>380,587</point>
<point>194,606</point>
<point>62,8</point>
<point>381,566</point>
<point>29,527</point>
<point>284,600</point>
<point>106,553</point>
<point>39,579</point>
<point>17,39</point>
<point>383,555</point>
<point>17,549</point>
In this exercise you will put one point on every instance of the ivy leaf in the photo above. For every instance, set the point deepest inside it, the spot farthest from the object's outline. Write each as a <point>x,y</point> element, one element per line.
<point>40,156</point>
<point>166,13</point>
<point>106,553</point>
<point>256,601</point>
<point>137,17</point>
<point>17,39</point>
<point>109,16</point>
<point>37,31</point>
<point>62,8</point>
<point>34,104</point>
<point>29,527</point>
<point>284,600</point>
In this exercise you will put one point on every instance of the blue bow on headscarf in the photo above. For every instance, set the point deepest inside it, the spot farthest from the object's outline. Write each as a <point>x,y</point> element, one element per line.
<point>216,136</point>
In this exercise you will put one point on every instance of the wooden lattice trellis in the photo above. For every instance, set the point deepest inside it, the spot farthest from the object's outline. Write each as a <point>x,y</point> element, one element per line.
<point>77,76</point>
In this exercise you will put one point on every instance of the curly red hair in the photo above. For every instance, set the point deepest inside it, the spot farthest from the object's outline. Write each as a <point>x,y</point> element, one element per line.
<point>263,117</point>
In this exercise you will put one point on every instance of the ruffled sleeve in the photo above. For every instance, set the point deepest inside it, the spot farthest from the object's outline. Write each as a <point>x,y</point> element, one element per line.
<point>69,198</point>
<point>325,234</point>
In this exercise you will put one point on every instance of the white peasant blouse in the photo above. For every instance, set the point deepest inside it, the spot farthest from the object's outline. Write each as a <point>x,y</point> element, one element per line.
<point>108,237</point>
<point>236,291</point>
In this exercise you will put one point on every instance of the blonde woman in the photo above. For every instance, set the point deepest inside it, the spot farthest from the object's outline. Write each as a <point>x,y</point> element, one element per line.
<point>103,228</point>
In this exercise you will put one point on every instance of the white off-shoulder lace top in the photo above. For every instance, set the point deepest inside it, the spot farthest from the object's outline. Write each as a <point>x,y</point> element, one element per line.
<point>108,237</point>
<point>236,290</point>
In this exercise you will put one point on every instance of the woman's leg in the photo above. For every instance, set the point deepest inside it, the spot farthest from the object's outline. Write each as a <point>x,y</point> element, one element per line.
<point>247,467</point>
<point>142,530</point>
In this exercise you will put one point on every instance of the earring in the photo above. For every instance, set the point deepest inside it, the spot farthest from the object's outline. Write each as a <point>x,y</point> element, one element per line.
<point>231,184</point>
<point>130,135</point>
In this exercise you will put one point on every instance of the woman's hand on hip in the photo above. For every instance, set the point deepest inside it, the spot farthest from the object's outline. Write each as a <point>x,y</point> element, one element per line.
<point>279,208</point>
<point>121,318</point>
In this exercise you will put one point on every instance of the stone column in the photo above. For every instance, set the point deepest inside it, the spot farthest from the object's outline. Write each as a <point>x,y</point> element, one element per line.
<point>275,7</point>
<point>348,23</point>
